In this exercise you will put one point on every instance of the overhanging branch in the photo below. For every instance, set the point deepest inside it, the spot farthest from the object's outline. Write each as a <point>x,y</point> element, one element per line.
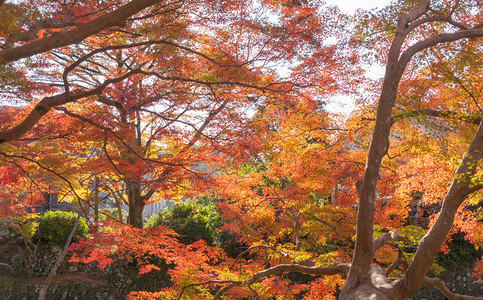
<point>437,114</point>
<point>117,17</point>
<point>280,269</point>
<point>440,285</point>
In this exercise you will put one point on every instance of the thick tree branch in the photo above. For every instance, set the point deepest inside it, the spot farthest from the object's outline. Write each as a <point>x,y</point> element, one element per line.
<point>380,141</point>
<point>117,17</point>
<point>431,242</point>
<point>433,41</point>
<point>47,103</point>
<point>429,19</point>
<point>433,113</point>
<point>31,33</point>
<point>395,67</point>
<point>395,263</point>
<point>279,269</point>
<point>384,239</point>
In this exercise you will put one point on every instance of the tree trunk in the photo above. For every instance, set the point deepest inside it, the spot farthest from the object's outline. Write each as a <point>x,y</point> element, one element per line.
<point>361,283</point>
<point>119,210</point>
<point>96,199</point>
<point>136,203</point>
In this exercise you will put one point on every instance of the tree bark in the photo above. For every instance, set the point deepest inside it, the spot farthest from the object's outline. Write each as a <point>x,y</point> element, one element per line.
<point>117,17</point>
<point>136,203</point>
<point>359,277</point>
<point>429,245</point>
<point>362,259</point>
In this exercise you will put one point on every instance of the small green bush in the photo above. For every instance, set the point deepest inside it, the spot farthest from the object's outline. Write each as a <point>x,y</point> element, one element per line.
<point>25,225</point>
<point>192,221</point>
<point>55,227</point>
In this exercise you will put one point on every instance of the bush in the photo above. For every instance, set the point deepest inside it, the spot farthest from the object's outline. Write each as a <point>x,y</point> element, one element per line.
<point>462,254</point>
<point>191,221</point>
<point>55,227</point>
<point>111,214</point>
<point>24,226</point>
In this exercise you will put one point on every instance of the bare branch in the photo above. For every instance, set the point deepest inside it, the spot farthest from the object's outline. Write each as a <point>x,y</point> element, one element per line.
<point>12,272</point>
<point>440,285</point>
<point>204,283</point>
<point>47,103</point>
<point>107,129</point>
<point>435,19</point>
<point>384,239</point>
<point>53,172</point>
<point>395,263</point>
<point>43,292</point>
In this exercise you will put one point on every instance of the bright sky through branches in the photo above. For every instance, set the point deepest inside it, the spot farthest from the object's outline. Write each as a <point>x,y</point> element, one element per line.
<point>344,104</point>
<point>349,6</point>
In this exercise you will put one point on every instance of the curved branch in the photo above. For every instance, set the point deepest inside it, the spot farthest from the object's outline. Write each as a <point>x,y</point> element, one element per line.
<point>473,189</point>
<point>440,285</point>
<point>239,256</point>
<point>437,18</point>
<point>279,269</point>
<point>107,129</point>
<point>203,283</point>
<point>269,87</point>
<point>79,198</point>
<point>437,114</point>
<point>395,263</point>
<point>47,103</point>
<point>431,242</point>
<point>9,267</point>
<point>117,17</point>
<point>433,41</point>
<point>384,239</point>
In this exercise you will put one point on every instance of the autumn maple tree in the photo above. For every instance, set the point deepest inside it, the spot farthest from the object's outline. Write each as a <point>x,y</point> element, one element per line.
<point>431,109</point>
<point>169,84</point>
<point>149,100</point>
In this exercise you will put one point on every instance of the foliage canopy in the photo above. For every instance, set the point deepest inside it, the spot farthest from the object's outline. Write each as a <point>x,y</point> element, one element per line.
<point>135,102</point>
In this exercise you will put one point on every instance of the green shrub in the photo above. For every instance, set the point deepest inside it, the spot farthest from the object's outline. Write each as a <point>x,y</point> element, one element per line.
<point>462,254</point>
<point>25,226</point>
<point>55,227</point>
<point>191,221</point>
<point>111,214</point>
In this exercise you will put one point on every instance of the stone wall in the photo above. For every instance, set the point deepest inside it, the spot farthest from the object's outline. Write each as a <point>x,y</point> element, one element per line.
<point>74,280</point>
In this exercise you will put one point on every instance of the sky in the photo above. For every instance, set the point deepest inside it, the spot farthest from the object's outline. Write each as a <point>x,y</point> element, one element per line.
<point>349,6</point>
<point>344,104</point>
